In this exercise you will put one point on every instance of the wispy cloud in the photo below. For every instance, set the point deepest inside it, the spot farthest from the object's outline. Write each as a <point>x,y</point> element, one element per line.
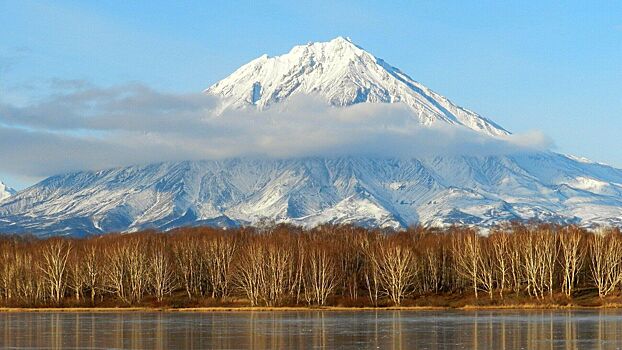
<point>11,56</point>
<point>82,126</point>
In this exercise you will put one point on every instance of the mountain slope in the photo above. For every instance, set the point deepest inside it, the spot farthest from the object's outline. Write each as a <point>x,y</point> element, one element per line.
<point>438,191</point>
<point>5,191</point>
<point>343,74</point>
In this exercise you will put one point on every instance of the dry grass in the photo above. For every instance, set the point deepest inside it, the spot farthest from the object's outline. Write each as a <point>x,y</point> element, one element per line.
<point>468,307</point>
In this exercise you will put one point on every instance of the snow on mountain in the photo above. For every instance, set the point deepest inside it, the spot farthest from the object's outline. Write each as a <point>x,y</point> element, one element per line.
<point>342,74</point>
<point>5,191</point>
<point>436,191</point>
<point>372,191</point>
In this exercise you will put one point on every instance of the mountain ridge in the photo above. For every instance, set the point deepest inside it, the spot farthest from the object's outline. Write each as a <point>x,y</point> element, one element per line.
<point>390,193</point>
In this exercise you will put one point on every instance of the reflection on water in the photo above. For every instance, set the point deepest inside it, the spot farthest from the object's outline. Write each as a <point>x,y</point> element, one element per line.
<point>315,329</point>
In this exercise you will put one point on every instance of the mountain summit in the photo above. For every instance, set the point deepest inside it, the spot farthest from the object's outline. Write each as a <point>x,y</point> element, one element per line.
<point>343,74</point>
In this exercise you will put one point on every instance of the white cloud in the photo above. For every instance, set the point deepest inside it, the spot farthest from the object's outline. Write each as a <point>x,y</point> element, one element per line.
<point>87,127</point>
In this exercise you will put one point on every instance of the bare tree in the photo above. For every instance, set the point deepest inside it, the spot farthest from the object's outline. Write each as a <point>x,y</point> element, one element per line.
<point>161,270</point>
<point>572,256</point>
<point>278,265</point>
<point>539,255</point>
<point>137,269</point>
<point>277,272</point>
<point>55,255</point>
<point>186,253</point>
<point>126,271</point>
<point>434,261</point>
<point>370,272</point>
<point>606,261</point>
<point>396,266</point>
<point>92,269</point>
<point>517,275</point>
<point>77,271</point>
<point>501,251</point>
<point>250,276</point>
<point>467,254</point>
<point>116,271</point>
<point>31,284</point>
<point>220,252</point>
<point>9,269</point>
<point>550,251</point>
<point>320,271</point>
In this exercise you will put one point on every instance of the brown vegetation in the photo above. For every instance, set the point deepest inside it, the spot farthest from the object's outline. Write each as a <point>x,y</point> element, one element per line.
<point>338,266</point>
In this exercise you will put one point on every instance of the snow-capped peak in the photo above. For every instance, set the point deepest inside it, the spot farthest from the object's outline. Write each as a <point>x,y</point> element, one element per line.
<point>5,191</point>
<point>342,73</point>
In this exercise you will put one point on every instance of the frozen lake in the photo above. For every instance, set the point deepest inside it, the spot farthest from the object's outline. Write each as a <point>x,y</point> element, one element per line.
<point>315,329</point>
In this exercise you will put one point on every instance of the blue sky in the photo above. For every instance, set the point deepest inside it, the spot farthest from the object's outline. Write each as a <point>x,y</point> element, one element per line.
<point>554,67</point>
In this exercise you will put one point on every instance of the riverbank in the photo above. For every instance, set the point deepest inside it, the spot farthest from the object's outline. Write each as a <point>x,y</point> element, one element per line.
<point>582,299</point>
<point>312,308</point>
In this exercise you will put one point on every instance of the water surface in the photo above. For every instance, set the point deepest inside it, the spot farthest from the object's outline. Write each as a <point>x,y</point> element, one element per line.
<point>315,329</point>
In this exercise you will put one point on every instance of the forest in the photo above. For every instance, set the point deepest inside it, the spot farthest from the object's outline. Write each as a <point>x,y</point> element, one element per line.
<point>339,266</point>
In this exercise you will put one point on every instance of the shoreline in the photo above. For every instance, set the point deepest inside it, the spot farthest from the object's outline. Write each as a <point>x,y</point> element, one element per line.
<point>525,307</point>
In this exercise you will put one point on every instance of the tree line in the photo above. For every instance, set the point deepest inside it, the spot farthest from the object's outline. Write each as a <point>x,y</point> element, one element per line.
<point>327,265</point>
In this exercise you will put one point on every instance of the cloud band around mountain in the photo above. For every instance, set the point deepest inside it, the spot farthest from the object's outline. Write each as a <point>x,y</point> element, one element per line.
<point>80,126</point>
